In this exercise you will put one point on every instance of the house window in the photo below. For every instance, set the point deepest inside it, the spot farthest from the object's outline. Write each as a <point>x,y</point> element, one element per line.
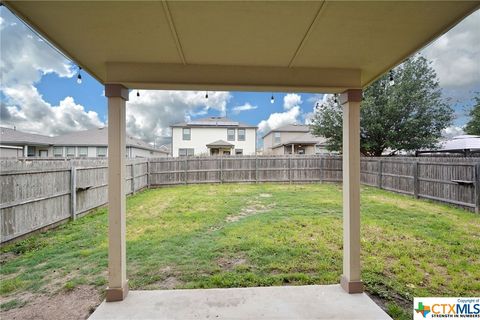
<point>187,134</point>
<point>58,151</point>
<point>276,137</point>
<point>185,152</point>
<point>70,151</point>
<point>101,151</point>
<point>231,134</point>
<point>238,152</point>
<point>82,151</point>
<point>241,134</point>
<point>31,151</point>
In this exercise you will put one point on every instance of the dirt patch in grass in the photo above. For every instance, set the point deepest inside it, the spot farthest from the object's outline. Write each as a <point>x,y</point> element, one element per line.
<point>253,207</point>
<point>78,303</point>
<point>228,264</point>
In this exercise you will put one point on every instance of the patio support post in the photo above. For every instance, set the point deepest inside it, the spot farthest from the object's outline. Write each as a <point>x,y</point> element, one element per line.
<point>117,276</point>
<point>351,281</point>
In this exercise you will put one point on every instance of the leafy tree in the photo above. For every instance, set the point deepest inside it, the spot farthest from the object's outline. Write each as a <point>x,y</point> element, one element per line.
<point>408,115</point>
<point>473,126</point>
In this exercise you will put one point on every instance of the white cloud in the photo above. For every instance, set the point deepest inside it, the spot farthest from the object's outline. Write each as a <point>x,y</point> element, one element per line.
<point>245,107</point>
<point>276,120</point>
<point>24,61</point>
<point>150,115</point>
<point>452,131</point>
<point>291,100</point>
<point>456,54</point>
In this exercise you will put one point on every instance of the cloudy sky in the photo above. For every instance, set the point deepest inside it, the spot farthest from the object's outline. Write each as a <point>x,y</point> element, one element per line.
<point>39,93</point>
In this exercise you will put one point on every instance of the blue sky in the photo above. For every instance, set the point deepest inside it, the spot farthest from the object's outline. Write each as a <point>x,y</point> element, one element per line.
<point>40,94</point>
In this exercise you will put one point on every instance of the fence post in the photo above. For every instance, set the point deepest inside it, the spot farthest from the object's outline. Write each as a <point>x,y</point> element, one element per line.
<point>256,168</point>
<point>415,180</point>
<point>379,177</point>
<point>148,173</point>
<point>221,169</point>
<point>133,177</point>
<point>186,169</point>
<point>477,188</point>
<point>321,170</point>
<point>290,170</point>
<point>73,192</point>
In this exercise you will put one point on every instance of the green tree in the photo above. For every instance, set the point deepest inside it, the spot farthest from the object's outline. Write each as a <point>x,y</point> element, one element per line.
<point>408,115</point>
<point>473,125</point>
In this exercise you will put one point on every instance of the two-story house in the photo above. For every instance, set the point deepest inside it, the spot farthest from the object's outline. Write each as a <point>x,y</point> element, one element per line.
<point>292,139</point>
<point>213,136</point>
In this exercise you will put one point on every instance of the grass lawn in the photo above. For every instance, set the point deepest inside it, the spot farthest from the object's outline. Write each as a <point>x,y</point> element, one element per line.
<point>205,236</point>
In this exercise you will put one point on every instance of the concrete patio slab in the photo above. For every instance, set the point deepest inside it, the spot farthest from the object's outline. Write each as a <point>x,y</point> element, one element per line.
<point>299,302</point>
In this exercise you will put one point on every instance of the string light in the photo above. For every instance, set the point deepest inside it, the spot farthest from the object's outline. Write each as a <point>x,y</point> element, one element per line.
<point>335,99</point>
<point>79,75</point>
<point>138,93</point>
<point>391,81</point>
<point>317,106</point>
<point>272,99</point>
<point>206,95</point>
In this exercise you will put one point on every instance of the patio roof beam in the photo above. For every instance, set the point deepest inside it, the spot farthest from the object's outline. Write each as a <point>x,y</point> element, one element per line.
<point>217,77</point>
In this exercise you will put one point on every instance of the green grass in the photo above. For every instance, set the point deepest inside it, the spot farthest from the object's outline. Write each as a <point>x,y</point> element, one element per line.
<point>207,236</point>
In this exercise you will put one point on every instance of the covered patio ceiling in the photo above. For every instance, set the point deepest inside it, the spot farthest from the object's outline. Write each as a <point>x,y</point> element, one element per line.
<point>310,46</point>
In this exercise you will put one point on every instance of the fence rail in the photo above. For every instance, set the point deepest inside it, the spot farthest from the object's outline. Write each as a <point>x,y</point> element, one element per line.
<point>38,194</point>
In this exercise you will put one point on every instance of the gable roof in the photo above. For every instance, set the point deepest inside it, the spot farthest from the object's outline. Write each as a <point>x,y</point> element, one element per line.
<point>221,122</point>
<point>290,128</point>
<point>220,143</point>
<point>11,136</point>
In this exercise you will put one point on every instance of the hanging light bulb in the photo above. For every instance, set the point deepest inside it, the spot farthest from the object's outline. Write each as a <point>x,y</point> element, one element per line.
<point>79,76</point>
<point>138,93</point>
<point>317,106</point>
<point>206,95</point>
<point>335,100</point>
<point>272,99</point>
<point>391,81</point>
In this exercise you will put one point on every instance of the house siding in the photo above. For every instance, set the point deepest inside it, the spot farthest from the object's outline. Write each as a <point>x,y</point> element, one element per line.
<point>201,136</point>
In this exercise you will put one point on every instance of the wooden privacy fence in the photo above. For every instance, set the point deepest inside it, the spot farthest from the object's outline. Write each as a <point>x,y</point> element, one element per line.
<point>450,180</point>
<point>41,193</point>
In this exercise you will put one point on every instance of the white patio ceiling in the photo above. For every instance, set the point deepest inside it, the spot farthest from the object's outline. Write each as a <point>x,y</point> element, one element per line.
<point>326,46</point>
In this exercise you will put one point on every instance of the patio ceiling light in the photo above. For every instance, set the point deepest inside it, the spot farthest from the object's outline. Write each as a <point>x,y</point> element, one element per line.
<point>391,81</point>
<point>79,76</point>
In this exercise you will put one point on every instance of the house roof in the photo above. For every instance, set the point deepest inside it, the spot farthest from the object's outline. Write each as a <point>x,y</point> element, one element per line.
<point>220,143</point>
<point>290,128</point>
<point>92,137</point>
<point>213,122</point>
<point>464,142</point>
<point>241,45</point>
<point>97,137</point>
<point>303,138</point>
<point>11,136</point>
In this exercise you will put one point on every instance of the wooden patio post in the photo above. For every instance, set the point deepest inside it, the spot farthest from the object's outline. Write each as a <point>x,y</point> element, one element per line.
<point>117,268</point>
<point>351,280</point>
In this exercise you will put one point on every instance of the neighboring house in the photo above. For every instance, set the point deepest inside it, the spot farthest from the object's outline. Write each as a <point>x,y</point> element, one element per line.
<point>88,143</point>
<point>464,144</point>
<point>292,139</point>
<point>14,144</point>
<point>213,136</point>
